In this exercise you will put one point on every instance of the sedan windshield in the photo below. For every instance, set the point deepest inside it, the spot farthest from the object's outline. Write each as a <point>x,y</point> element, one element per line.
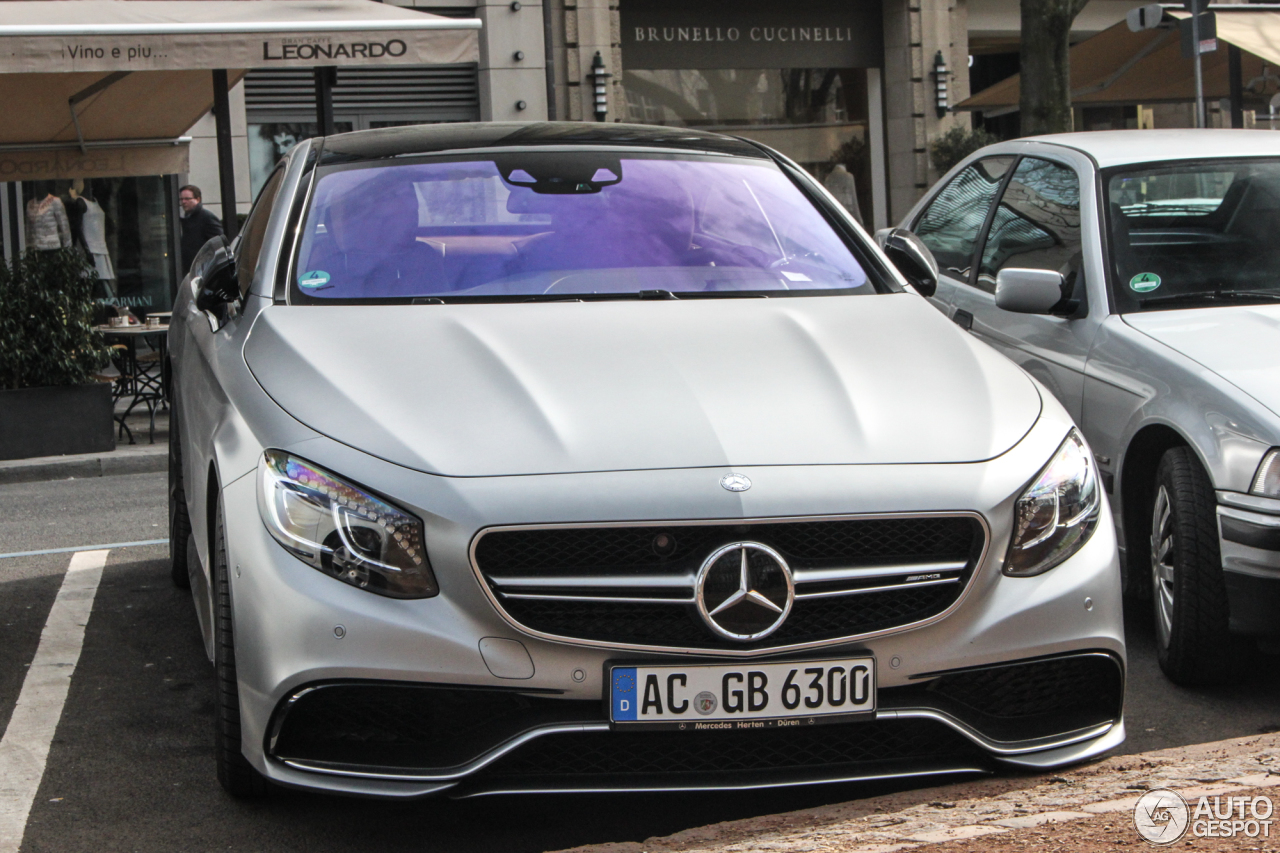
<point>555,225</point>
<point>1195,235</point>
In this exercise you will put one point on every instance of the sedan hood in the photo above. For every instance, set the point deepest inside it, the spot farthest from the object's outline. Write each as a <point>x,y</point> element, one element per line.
<point>1239,343</point>
<point>541,388</point>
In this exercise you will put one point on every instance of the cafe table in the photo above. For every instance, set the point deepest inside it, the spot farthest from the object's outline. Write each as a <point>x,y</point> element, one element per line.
<point>144,379</point>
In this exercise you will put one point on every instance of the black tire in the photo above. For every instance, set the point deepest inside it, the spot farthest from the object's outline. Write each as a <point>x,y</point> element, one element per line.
<point>1189,595</point>
<point>179,521</point>
<point>235,773</point>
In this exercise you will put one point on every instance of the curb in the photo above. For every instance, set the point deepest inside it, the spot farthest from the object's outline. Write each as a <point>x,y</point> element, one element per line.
<point>141,459</point>
<point>990,807</point>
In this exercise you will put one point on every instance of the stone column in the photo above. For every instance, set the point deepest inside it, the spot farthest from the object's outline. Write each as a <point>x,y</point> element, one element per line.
<point>590,26</point>
<point>512,68</point>
<point>914,31</point>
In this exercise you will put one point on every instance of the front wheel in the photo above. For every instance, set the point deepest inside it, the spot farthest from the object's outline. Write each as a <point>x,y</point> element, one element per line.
<point>235,773</point>
<point>1189,593</point>
<point>179,521</point>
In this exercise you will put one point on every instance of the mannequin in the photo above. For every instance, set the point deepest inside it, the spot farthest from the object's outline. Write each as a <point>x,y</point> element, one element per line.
<point>47,225</point>
<point>75,206</point>
<point>94,234</point>
<point>841,184</point>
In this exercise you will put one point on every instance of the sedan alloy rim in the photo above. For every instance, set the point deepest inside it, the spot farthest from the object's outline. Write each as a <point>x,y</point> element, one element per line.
<point>1162,564</point>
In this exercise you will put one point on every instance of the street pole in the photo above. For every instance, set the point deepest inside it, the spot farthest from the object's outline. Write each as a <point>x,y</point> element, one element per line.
<point>326,78</point>
<point>1235,82</point>
<point>226,165</point>
<point>1195,50</point>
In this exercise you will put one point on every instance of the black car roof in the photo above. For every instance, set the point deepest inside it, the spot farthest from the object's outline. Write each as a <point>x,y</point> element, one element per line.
<point>431,138</point>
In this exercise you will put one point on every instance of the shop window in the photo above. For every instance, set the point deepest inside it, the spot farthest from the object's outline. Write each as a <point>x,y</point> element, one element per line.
<point>270,141</point>
<point>122,225</point>
<point>816,116</point>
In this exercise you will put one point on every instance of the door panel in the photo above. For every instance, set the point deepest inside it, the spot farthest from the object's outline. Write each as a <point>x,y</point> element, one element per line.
<point>1036,225</point>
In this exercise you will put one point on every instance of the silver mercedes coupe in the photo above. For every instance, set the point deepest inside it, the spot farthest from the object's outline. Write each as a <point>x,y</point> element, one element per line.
<point>572,457</point>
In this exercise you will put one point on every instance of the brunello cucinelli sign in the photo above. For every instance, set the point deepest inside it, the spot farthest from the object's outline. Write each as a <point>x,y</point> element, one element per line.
<point>751,34</point>
<point>186,52</point>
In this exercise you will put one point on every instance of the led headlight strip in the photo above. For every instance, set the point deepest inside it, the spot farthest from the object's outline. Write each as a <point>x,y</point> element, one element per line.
<point>1057,513</point>
<point>342,530</point>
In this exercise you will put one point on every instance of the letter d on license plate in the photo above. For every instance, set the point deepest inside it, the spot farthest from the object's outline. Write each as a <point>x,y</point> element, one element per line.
<point>741,696</point>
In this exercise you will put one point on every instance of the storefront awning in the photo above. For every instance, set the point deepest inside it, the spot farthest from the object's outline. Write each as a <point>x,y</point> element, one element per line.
<point>104,87</point>
<point>1119,67</point>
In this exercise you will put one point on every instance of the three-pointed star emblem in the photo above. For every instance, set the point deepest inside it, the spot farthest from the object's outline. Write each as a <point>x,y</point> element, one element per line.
<point>744,591</point>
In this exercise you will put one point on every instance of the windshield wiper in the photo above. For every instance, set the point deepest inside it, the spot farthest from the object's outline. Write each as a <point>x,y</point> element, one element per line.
<point>1212,296</point>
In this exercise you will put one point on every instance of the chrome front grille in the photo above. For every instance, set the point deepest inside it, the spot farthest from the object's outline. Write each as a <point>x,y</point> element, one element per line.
<point>679,588</point>
<point>634,585</point>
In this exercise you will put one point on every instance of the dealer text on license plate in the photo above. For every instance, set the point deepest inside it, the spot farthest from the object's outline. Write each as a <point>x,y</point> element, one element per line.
<point>736,696</point>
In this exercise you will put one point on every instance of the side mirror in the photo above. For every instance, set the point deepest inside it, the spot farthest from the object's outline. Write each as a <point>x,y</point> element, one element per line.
<point>913,259</point>
<point>1028,291</point>
<point>218,285</point>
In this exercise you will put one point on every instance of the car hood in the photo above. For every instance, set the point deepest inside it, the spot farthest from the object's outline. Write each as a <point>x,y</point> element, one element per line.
<point>1240,343</point>
<point>539,388</point>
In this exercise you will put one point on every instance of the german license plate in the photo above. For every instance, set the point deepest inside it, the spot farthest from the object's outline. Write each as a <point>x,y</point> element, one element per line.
<point>742,696</point>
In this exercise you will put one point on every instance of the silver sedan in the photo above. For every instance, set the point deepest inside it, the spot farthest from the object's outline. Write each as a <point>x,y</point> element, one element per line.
<point>1136,274</point>
<point>597,457</point>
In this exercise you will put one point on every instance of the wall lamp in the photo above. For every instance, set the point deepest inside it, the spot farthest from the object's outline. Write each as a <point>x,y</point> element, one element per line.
<point>599,77</point>
<point>940,74</point>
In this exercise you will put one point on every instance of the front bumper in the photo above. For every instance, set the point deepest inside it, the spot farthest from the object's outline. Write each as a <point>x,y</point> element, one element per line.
<point>298,629</point>
<point>480,741</point>
<point>1249,536</point>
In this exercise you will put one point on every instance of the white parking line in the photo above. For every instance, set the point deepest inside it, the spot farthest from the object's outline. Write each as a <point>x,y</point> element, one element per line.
<point>108,547</point>
<point>25,745</point>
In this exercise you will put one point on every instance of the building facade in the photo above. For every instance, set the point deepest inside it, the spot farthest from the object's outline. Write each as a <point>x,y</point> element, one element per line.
<point>837,85</point>
<point>826,82</point>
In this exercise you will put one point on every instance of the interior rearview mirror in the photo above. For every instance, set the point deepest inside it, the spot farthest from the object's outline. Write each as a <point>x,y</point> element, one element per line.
<point>913,259</point>
<point>1028,291</point>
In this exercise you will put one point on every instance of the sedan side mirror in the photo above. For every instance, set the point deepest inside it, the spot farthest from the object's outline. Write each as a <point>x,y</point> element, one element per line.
<point>1026,291</point>
<point>913,259</point>
<point>218,285</point>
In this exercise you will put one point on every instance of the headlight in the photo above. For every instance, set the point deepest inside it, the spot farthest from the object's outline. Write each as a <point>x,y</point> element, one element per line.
<point>1267,481</point>
<point>342,530</point>
<point>1057,514</point>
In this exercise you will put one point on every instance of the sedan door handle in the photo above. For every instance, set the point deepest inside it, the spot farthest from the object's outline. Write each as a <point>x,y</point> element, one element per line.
<point>963,319</point>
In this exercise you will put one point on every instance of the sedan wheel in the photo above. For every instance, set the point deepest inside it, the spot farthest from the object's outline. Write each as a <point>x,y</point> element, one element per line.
<point>1189,594</point>
<point>179,521</point>
<point>1162,568</point>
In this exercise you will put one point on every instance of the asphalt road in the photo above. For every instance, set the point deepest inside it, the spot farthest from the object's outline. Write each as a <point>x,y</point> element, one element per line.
<point>131,763</point>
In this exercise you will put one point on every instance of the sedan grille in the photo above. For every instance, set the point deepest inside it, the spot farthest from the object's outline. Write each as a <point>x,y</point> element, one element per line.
<point>634,585</point>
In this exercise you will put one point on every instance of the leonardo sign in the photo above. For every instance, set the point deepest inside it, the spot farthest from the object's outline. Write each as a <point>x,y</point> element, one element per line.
<point>722,34</point>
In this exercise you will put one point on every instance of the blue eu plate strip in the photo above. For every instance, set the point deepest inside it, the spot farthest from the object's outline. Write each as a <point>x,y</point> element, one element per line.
<point>623,691</point>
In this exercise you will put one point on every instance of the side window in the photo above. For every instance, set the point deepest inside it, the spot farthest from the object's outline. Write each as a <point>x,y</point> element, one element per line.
<point>255,227</point>
<point>1037,225</point>
<point>951,223</point>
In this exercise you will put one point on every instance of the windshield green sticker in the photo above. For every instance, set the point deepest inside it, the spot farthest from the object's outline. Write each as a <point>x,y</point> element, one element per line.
<point>1144,282</point>
<point>315,278</point>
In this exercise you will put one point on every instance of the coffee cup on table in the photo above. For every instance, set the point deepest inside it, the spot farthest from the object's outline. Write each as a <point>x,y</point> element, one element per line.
<point>118,322</point>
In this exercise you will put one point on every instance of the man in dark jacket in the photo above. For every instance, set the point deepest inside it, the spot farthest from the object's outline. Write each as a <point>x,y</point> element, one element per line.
<point>199,226</point>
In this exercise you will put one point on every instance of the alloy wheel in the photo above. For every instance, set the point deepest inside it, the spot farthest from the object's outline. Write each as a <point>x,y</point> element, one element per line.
<point>1162,564</point>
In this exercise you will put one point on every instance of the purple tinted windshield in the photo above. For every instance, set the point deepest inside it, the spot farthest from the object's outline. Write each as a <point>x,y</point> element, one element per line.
<point>520,225</point>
